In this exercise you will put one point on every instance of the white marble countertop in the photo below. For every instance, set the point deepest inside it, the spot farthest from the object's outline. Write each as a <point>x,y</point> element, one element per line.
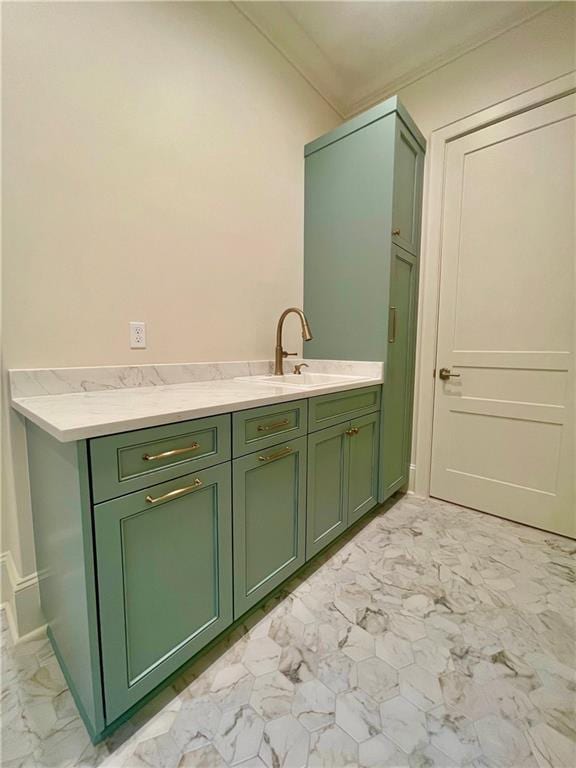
<point>79,415</point>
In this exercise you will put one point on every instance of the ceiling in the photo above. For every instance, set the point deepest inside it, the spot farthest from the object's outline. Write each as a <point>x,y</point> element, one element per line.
<point>357,53</point>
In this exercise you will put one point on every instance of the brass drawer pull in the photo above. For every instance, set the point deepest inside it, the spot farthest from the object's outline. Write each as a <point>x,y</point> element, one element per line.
<point>273,456</point>
<point>392,325</point>
<point>277,425</point>
<point>175,452</point>
<point>173,494</point>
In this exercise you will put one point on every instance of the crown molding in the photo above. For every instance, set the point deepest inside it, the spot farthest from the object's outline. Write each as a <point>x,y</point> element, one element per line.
<point>372,97</point>
<point>283,32</point>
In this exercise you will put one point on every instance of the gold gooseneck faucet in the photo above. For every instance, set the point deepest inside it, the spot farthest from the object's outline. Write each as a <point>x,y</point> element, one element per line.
<point>280,353</point>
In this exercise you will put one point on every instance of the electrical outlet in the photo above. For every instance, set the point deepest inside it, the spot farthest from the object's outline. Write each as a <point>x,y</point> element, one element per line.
<point>137,335</point>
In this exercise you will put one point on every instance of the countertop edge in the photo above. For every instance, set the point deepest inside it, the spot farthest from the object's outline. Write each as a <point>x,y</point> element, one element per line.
<point>75,434</point>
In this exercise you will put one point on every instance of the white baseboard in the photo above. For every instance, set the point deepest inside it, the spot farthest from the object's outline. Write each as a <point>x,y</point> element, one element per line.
<point>411,478</point>
<point>21,599</point>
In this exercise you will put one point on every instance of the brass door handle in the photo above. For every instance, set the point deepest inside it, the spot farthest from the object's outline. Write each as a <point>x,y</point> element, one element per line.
<point>173,494</point>
<point>444,373</point>
<point>175,452</point>
<point>274,456</point>
<point>268,427</point>
<point>395,232</point>
<point>392,325</point>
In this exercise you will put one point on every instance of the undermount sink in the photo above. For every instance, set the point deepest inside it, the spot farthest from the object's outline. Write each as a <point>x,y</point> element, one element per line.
<point>303,380</point>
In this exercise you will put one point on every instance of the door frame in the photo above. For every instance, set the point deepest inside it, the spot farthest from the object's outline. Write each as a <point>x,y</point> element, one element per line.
<point>431,251</point>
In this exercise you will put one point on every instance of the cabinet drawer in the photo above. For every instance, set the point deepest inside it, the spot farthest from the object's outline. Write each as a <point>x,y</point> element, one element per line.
<point>326,410</point>
<point>261,427</point>
<point>133,460</point>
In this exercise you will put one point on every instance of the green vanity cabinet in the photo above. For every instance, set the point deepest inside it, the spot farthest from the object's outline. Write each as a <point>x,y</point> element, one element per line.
<point>151,543</point>
<point>342,478</point>
<point>164,563</point>
<point>363,200</point>
<point>398,392</point>
<point>269,490</point>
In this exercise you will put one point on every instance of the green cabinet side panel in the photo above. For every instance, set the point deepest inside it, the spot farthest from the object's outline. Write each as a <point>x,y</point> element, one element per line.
<point>327,487</point>
<point>327,410</point>
<point>363,466</point>
<point>165,579</point>
<point>119,465</point>
<point>398,390</point>
<point>64,556</point>
<point>408,172</point>
<point>347,235</point>
<point>269,520</point>
<point>259,428</point>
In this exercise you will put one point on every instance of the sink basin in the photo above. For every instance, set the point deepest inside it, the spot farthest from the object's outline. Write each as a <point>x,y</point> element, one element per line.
<point>303,380</point>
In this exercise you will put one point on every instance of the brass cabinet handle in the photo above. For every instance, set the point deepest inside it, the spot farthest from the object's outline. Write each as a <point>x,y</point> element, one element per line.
<point>277,425</point>
<point>173,494</point>
<point>395,232</point>
<point>392,325</point>
<point>352,431</point>
<point>278,455</point>
<point>444,374</point>
<point>175,452</point>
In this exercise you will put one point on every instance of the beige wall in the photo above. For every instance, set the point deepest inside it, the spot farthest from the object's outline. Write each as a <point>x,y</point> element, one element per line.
<point>539,50</point>
<point>153,170</point>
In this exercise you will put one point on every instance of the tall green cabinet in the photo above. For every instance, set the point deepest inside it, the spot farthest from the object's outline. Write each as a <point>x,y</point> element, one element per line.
<point>363,201</point>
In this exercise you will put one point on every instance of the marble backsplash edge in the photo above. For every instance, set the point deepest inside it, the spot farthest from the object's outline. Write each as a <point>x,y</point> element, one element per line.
<point>33,382</point>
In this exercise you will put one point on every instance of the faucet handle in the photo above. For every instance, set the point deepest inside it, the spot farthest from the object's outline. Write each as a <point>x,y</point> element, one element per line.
<point>289,354</point>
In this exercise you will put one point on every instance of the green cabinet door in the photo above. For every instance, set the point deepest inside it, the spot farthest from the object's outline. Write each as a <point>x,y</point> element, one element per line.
<point>407,206</point>
<point>398,389</point>
<point>165,580</point>
<point>363,466</point>
<point>347,224</point>
<point>327,487</point>
<point>269,520</point>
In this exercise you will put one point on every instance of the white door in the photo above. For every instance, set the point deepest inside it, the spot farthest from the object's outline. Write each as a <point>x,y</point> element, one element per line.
<point>504,424</point>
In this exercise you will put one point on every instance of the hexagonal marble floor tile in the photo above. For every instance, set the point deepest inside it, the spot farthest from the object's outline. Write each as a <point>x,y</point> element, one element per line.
<point>357,714</point>
<point>314,705</point>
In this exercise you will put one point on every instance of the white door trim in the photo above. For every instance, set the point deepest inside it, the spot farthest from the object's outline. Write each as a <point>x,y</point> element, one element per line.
<point>431,256</point>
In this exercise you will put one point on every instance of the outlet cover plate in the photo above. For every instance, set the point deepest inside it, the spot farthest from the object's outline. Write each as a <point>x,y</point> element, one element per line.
<point>137,335</point>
